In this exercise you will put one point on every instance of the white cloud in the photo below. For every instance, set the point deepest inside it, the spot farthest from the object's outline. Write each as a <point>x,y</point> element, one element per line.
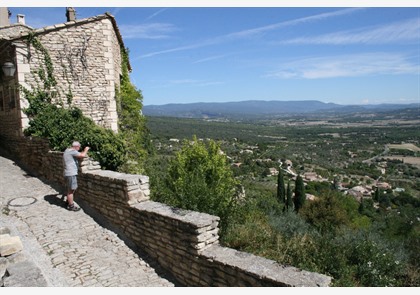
<point>147,31</point>
<point>251,32</point>
<point>408,30</point>
<point>322,16</point>
<point>156,13</point>
<point>215,57</point>
<point>346,66</point>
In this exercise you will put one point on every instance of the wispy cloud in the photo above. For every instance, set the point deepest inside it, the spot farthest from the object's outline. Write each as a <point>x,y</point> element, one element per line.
<point>147,31</point>
<point>181,48</point>
<point>210,58</point>
<point>255,31</point>
<point>347,66</point>
<point>155,14</point>
<point>408,30</point>
<point>318,17</point>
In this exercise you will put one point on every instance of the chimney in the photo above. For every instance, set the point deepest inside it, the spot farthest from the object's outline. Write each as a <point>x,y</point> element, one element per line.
<point>4,17</point>
<point>20,19</point>
<point>70,14</point>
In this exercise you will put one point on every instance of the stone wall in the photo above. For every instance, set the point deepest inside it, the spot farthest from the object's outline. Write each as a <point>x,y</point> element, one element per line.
<point>87,61</point>
<point>185,243</point>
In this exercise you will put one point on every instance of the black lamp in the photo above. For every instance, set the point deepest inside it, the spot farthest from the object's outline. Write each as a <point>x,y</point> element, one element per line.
<point>9,69</point>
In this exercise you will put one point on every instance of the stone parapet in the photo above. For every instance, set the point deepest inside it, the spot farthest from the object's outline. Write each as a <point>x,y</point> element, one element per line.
<point>185,243</point>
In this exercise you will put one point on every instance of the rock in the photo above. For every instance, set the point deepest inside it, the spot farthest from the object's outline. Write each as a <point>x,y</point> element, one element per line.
<point>9,245</point>
<point>24,274</point>
<point>4,230</point>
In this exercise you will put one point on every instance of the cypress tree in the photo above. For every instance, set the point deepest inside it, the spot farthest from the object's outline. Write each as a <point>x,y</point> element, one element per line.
<point>300,196</point>
<point>289,199</point>
<point>281,192</point>
<point>376,195</point>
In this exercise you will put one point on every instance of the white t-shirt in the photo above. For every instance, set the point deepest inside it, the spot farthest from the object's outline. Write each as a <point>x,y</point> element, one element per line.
<point>71,164</point>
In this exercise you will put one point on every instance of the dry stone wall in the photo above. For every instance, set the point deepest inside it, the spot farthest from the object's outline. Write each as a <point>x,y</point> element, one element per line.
<point>185,243</point>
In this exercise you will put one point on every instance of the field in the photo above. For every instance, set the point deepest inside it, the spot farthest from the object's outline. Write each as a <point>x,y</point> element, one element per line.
<point>404,146</point>
<point>407,160</point>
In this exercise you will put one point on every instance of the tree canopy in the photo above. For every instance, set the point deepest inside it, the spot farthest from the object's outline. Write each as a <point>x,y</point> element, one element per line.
<point>199,178</point>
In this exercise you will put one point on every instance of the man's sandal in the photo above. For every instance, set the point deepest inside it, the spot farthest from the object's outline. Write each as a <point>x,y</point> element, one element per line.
<point>72,207</point>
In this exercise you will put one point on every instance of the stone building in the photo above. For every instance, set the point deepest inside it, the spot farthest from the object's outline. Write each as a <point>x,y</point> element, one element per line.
<point>86,58</point>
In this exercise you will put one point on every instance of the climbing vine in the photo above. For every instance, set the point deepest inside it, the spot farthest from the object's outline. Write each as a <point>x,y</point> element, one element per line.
<point>48,77</point>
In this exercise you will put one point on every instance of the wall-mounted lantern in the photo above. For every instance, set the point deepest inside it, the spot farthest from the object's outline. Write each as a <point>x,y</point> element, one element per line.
<point>9,69</point>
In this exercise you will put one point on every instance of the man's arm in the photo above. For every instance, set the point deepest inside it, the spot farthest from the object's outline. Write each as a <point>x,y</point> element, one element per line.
<point>84,153</point>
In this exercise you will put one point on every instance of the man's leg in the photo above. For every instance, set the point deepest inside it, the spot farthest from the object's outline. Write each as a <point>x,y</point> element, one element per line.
<point>70,194</point>
<point>72,186</point>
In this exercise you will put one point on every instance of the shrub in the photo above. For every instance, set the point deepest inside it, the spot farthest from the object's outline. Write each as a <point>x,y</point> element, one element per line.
<point>200,179</point>
<point>62,126</point>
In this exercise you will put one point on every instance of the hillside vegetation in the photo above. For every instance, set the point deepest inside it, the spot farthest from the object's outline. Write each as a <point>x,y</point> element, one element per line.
<point>360,220</point>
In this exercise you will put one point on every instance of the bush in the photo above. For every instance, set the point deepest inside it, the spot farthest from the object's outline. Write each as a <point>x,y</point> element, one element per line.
<point>200,179</point>
<point>62,126</point>
<point>375,262</point>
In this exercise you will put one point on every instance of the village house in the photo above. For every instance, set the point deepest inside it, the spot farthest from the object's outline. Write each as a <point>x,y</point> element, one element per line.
<point>383,185</point>
<point>358,192</point>
<point>288,163</point>
<point>310,176</point>
<point>86,60</point>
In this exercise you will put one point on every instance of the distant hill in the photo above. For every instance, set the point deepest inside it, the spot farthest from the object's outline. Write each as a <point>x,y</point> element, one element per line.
<point>256,108</point>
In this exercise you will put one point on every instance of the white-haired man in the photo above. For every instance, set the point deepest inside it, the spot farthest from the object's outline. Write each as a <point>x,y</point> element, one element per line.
<point>71,164</point>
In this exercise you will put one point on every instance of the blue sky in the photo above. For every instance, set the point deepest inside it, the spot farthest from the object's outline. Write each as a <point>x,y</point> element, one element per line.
<point>362,55</point>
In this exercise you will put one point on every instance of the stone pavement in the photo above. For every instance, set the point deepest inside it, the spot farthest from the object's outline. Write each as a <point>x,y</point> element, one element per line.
<point>70,249</point>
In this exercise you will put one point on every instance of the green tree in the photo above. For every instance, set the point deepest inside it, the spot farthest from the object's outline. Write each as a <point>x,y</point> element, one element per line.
<point>327,212</point>
<point>376,195</point>
<point>289,197</point>
<point>300,196</point>
<point>281,192</point>
<point>200,179</point>
<point>384,200</point>
<point>131,122</point>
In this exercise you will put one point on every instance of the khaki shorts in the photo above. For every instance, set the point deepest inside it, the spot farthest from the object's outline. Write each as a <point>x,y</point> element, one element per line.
<point>71,182</point>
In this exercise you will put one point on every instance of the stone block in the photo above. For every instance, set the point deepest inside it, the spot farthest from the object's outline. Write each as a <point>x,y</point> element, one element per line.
<point>9,245</point>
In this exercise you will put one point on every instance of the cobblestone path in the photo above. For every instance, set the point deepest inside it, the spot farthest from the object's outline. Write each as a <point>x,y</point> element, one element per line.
<point>70,248</point>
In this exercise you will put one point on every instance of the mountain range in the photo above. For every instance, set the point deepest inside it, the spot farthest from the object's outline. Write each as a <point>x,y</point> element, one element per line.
<point>257,108</point>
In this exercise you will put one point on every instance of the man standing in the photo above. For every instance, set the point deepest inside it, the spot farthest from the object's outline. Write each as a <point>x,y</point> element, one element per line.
<point>71,164</point>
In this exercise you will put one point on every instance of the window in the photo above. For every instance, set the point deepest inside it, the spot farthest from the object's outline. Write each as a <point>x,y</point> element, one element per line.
<point>12,97</point>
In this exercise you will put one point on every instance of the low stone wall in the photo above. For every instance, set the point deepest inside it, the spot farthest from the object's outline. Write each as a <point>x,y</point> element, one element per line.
<point>185,243</point>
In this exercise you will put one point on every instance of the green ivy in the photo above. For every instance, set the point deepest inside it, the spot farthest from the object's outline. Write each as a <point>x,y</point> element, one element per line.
<point>48,77</point>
